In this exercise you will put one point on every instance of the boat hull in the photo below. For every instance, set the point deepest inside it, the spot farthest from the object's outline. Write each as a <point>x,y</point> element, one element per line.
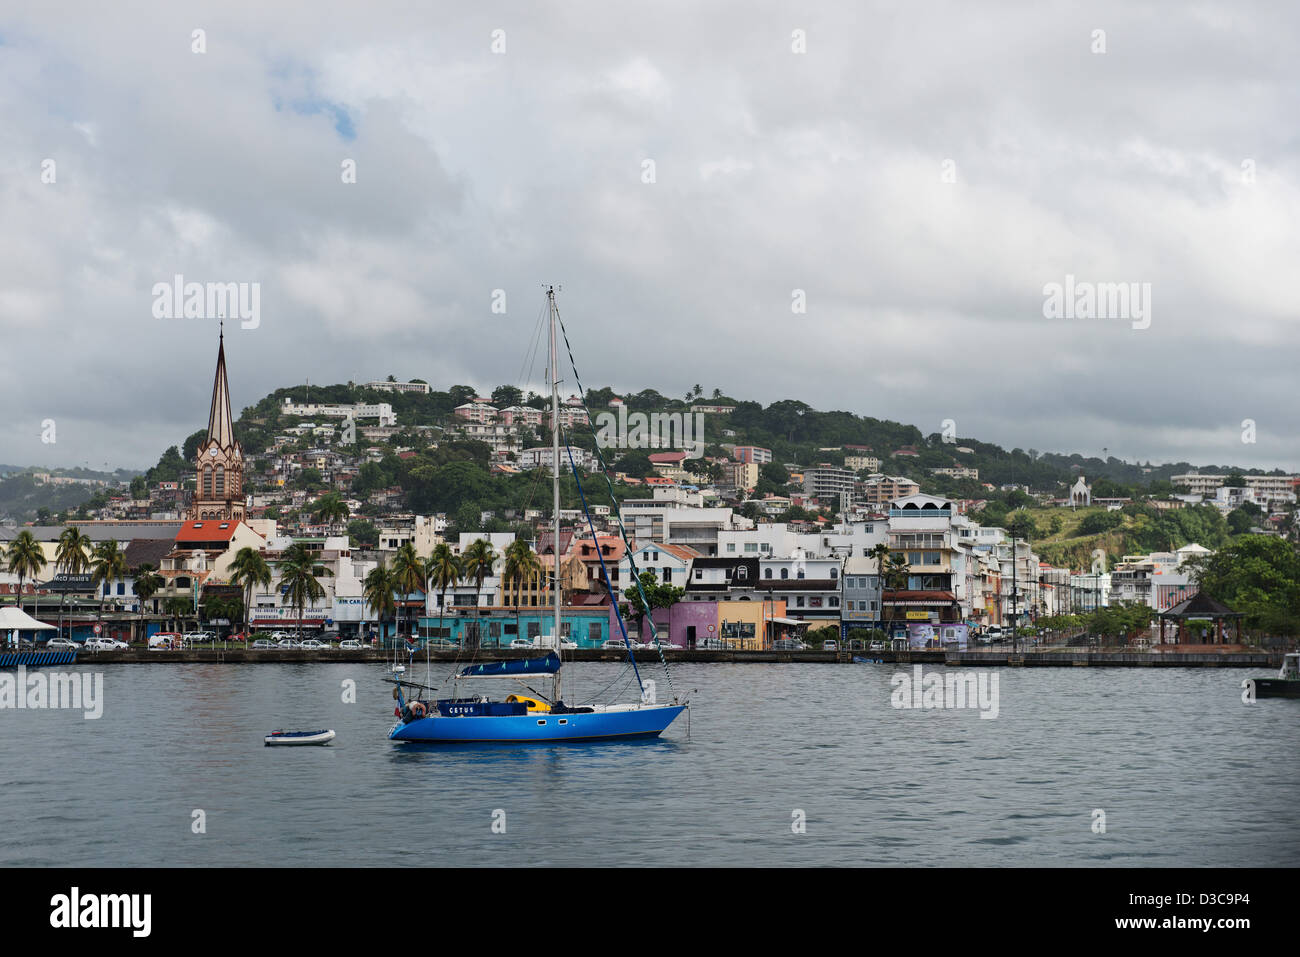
<point>646,722</point>
<point>1277,688</point>
<point>298,738</point>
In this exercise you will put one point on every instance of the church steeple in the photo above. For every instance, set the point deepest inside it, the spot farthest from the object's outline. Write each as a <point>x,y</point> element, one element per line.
<point>219,481</point>
<point>220,426</point>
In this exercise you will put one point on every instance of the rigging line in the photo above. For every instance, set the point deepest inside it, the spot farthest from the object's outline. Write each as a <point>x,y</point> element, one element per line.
<point>618,515</point>
<point>613,599</point>
<point>530,354</point>
<point>617,678</point>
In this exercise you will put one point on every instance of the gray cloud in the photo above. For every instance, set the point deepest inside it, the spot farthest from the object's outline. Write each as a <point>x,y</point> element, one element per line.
<point>774,172</point>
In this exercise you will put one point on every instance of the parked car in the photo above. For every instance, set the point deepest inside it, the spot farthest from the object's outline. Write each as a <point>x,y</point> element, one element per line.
<point>287,643</point>
<point>350,644</point>
<point>443,644</point>
<point>263,644</point>
<point>521,643</point>
<point>281,636</point>
<point>876,646</point>
<point>199,637</point>
<point>103,644</point>
<point>830,645</point>
<point>166,641</point>
<point>788,644</point>
<point>61,644</point>
<point>314,644</point>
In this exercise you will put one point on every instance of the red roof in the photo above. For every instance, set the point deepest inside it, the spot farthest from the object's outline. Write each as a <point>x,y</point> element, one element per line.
<point>210,531</point>
<point>666,458</point>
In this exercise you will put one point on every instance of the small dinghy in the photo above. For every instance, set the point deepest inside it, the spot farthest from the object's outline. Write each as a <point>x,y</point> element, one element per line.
<point>299,737</point>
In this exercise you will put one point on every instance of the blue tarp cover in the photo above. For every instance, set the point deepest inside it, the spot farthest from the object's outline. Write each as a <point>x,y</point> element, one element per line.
<point>527,666</point>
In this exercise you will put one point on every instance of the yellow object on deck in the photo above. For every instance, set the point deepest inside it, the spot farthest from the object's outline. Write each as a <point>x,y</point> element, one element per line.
<point>533,703</point>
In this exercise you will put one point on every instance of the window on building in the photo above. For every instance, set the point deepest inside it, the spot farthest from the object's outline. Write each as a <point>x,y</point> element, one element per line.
<point>798,602</point>
<point>731,547</point>
<point>667,576</point>
<point>594,632</point>
<point>207,482</point>
<point>699,574</point>
<point>221,480</point>
<point>835,573</point>
<point>785,573</point>
<point>802,574</point>
<point>767,573</point>
<point>751,546</point>
<point>835,602</point>
<point>742,573</point>
<point>534,629</point>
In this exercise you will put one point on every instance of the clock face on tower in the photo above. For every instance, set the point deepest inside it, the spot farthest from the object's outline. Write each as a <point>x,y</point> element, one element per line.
<point>213,451</point>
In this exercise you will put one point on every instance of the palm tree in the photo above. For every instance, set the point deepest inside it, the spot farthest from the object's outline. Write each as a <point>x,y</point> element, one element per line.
<point>330,509</point>
<point>477,563</point>
<point>443,571</point>
<point>521,563</point>
<point>299,572</point>
<point>107,564</point>
<point>248,569</point>
<point>408,573</point>
<point>26,559</point>
<point>147,584</point>
<point>73,556</point>
<point>377,588</point>
<point>885,567</point>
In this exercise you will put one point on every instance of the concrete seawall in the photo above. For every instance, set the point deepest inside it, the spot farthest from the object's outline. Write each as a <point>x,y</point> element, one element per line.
<point>960,659</point>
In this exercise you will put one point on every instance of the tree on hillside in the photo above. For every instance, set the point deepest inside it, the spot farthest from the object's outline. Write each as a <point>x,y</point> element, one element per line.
<point>506,396</point>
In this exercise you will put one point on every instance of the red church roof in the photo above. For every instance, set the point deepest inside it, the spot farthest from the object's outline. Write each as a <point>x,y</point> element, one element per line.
<point>209,531</point>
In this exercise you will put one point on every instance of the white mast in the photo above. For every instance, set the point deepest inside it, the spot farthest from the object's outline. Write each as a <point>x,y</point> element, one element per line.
<point>555,461</point>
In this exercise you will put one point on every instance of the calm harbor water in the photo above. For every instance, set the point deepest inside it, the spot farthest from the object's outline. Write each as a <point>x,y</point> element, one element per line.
<point>1185,773</point>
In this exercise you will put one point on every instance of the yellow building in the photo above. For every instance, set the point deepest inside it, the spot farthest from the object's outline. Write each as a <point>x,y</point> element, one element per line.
<point>751,625</point>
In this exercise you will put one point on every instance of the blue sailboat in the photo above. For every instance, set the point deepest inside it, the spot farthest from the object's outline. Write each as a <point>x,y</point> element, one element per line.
<point>534,717</point>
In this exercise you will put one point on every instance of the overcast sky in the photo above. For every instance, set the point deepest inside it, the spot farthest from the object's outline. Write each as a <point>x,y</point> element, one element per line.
<point>920,173</point>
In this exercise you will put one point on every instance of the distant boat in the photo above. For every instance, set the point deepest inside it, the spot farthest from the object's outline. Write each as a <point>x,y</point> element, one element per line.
<point>534,718</point>
<point>1287,682</point>
<point>283,738</point>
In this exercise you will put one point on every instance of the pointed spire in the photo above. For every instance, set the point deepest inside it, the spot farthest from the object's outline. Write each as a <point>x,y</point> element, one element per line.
<point>220,426</point>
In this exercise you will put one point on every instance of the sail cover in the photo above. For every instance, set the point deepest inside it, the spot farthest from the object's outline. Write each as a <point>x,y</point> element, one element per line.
<point>548,665</point>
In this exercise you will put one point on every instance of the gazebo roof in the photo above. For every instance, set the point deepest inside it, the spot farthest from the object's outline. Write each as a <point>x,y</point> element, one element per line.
<point>1201,605</point>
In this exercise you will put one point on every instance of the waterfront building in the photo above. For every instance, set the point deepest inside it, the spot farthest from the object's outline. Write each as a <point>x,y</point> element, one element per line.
<point>861,594</point>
